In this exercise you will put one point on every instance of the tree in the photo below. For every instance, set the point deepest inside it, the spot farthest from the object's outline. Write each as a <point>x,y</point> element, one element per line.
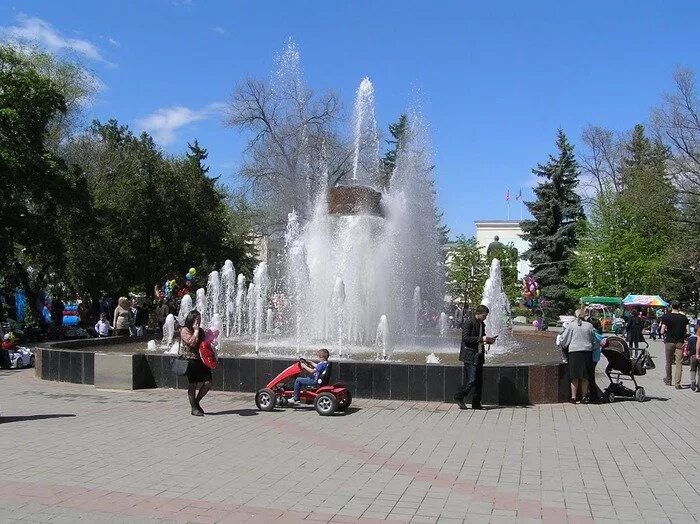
<point>292,139</point>
<point>552,233</point>
<point>601,162</point>
<point>77,85</point>
<point>466,272</point>
<point>159,215</point>
<point>631,235</point>
<point>388,163</point>
<point>42,196</point>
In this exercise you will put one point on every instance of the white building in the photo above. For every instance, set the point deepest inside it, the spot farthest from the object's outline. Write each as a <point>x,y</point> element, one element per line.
<point>507,231</point>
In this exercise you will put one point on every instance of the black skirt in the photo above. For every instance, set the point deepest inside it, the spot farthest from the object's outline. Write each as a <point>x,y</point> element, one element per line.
<point>580,363</point>
<point>197,372</point>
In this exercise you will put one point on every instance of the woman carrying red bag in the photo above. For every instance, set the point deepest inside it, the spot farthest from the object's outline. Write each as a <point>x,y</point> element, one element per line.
<point>198,374</point>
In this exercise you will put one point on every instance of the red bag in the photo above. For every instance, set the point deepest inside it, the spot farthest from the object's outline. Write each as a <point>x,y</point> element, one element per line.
<point>206,353</point>
<point>686,352</point>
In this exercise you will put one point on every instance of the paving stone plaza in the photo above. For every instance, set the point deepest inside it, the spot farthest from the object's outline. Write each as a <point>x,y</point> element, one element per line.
<point>75,453</point>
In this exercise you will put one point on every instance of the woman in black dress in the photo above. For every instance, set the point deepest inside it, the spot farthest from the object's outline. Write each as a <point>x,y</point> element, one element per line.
<point>634,330</point>
<point>198,374</point>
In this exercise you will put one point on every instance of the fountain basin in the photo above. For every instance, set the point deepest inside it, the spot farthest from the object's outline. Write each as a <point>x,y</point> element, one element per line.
<point>504,383</point>
<point>354,200</point>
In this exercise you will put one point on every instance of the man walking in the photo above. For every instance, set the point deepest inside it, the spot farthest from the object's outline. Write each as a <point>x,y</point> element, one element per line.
<point>471,353</point>
<point>674,328</point>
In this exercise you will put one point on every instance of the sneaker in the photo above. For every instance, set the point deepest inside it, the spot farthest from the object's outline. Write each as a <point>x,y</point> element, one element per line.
<point>477,406</point>
<point>199,407</point>
<point>667,382</point>
<point>460,402</point>
<point>586,400</point>
<point>197,413</point>
<point>292,400</point>
<point>679,386</point>
<point>693,387</point>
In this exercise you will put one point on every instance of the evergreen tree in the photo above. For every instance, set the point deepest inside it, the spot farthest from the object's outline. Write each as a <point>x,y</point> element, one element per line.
<point>552,233</point>
<point>388,163</point>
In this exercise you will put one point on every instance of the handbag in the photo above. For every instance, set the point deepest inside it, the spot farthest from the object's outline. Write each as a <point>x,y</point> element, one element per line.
<point>180,366</point>
<point>686,352</point>
<point>649,362</point>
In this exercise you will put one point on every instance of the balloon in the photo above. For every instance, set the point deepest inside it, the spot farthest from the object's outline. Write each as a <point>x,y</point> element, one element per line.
<point>188,277</point>
<point>537,293</point>
<point>192,271</point>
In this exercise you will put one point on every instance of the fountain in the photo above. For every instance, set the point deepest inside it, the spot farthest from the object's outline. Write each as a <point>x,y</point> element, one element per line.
<point>498,321</point>
<point>185,308</point>
<point>338,302</point>
<point>361,268</point>
<point>269,327</point>
<point>169,330</point>
<point>381,340</point>
<point>201,303</point>
<point>240,304</point>
<point>443,324</point>
<point>260,285</point>
<point>228,296</point>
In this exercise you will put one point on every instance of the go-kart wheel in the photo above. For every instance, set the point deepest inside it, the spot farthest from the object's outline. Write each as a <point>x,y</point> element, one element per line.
<point>611,397</point>
<point>32,361</point>
<point>265,399</point>
<point>325,404</point>
<point>20,363</point>
<point>640,394</point>
<point>344,404</point>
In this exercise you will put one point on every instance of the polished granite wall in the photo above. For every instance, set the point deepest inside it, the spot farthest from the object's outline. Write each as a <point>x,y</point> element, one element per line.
<point>520,384</point>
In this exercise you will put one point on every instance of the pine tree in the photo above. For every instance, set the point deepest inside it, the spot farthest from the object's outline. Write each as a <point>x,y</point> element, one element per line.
<point>388,163</point>
<point>552,233</point>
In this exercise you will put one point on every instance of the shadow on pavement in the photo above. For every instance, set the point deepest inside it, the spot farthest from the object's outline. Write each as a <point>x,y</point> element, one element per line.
<point>21,418</point>
<point>243,412</point>
<point>348,411</point>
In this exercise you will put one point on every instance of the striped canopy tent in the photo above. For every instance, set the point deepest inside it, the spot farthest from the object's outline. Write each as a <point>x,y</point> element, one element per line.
<point>644,301</point>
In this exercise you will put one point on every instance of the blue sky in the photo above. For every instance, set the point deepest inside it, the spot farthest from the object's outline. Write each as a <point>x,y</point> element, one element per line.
<point>496,79</point>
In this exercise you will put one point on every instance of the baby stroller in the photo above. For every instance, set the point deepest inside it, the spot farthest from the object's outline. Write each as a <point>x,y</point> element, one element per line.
<point>623,366</point>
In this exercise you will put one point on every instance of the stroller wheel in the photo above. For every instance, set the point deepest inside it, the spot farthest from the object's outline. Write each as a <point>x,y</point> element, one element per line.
<point>611,396</point>
<point>640,394</point>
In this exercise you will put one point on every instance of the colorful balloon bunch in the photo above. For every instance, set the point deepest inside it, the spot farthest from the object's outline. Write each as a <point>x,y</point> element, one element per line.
<point>530,291</point>
<point>170,288</point>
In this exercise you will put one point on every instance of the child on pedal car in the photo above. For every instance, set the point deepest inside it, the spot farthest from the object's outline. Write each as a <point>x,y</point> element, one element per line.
<point>315,371</point>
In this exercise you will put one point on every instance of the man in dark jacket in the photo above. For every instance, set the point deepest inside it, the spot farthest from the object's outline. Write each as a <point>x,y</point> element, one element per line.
<point>471,353</point>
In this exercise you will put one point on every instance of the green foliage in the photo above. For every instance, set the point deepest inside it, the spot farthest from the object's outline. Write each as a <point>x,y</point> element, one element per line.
<point>552,233</point>
<point>40,193</point>
<point>388,163</point>
<point>466,272</point>
<point>153,217</point>
<point>632,236</point>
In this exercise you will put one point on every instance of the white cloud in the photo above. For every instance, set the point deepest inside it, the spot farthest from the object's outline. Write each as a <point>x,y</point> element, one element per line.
<point>163,123</point>
<point>38,31</point>
<point>219,30</point>
<point>113,42</point>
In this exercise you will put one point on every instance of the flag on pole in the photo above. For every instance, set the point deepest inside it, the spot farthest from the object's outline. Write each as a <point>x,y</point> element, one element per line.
<point>519,195</point>
<point>507,195</point>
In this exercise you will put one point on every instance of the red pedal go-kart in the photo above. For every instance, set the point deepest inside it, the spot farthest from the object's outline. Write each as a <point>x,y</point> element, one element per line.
<point>327,399</point>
